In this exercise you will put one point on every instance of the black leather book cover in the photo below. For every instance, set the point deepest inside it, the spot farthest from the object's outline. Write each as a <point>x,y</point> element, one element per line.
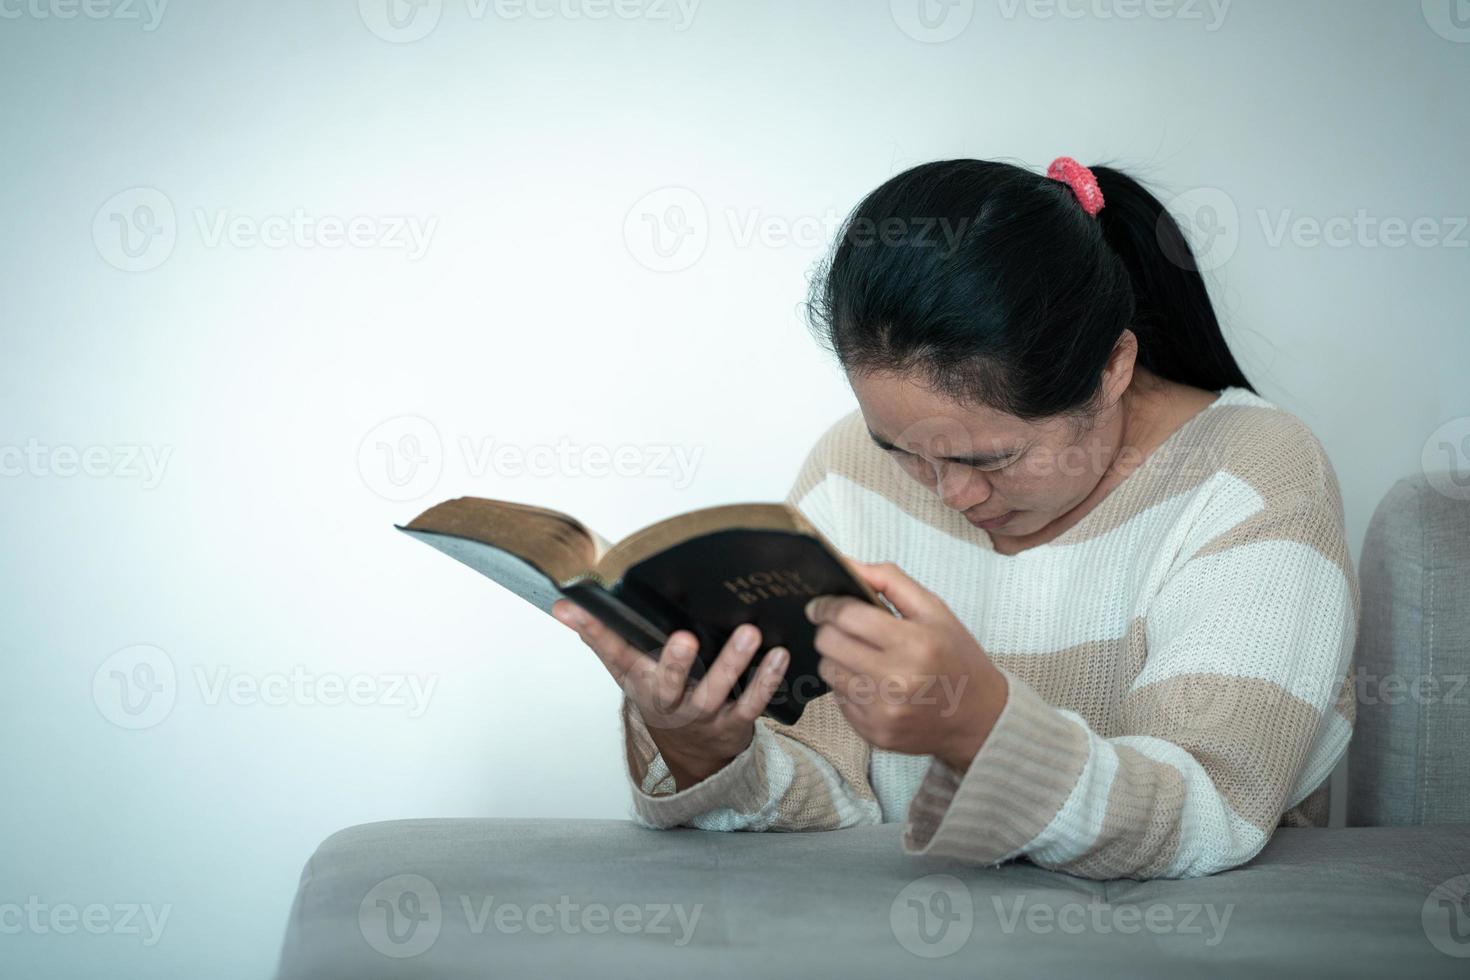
<point>707,572</point>
<point>711,584</point>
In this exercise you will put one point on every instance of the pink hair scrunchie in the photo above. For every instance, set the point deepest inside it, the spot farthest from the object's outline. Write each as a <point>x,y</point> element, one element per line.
<point>1081,180</point>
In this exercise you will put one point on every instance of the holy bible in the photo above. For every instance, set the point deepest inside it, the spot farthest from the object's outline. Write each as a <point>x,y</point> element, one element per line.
<point>706,571</point>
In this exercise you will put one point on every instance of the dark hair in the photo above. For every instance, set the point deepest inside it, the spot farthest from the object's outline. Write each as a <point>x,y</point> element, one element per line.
<point>995,285</point>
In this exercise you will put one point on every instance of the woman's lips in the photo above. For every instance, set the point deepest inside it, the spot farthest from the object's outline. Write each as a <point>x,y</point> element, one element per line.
<point>996,522</point>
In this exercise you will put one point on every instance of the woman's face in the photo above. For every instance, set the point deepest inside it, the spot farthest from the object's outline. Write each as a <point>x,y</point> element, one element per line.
<point>1005,475</point>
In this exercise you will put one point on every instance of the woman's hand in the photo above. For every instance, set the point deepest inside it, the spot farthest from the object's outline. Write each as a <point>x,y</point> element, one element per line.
<point>920,685</point>
<point>697,729</point>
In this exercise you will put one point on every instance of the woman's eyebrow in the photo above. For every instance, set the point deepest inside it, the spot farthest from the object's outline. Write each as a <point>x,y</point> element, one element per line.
<point>973,459</point>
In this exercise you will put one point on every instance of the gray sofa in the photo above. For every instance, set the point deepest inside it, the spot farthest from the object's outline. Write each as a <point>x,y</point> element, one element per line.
<point>1388,895</point>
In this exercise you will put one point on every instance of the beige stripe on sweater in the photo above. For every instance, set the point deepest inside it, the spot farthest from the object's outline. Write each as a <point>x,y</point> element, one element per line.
<point>1177,662</point>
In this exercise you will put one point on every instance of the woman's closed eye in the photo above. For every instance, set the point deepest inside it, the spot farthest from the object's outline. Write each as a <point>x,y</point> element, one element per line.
<point>983,465</point>
<point>998,465</point>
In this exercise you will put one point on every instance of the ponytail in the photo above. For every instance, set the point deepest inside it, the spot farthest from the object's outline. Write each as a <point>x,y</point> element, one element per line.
<point>1179,336</point>
<point>997,286</point>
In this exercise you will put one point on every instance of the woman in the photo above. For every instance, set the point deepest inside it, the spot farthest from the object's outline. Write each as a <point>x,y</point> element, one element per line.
<point>1128,656</point>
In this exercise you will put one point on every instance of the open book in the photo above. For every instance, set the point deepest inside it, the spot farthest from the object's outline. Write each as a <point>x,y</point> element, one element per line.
<point>706,571</point>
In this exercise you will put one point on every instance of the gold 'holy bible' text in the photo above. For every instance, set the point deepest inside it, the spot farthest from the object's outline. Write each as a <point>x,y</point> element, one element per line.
<point>774,584</point>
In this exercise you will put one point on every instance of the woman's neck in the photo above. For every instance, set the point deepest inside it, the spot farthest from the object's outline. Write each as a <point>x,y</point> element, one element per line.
<point>1152,409</point>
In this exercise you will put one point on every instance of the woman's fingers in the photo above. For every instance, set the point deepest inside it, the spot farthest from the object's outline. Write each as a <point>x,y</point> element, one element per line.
<point>850,651</point>
<point>753,700</point>
<point>673,668</point>
<point>860,620</point>
<point>837,676</point>
<point>661,687</point>
<point>623,661</point>
<point>714,689</point>
<point>907,596</point>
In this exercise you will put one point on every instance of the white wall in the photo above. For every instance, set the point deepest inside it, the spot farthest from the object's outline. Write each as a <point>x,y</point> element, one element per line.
<point>266,548</point>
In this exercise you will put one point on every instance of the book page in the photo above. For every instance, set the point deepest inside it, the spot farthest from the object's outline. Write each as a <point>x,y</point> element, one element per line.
<point>516,574</point>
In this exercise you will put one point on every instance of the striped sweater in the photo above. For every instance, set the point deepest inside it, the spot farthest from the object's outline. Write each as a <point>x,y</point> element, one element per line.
<point>1178,665</point>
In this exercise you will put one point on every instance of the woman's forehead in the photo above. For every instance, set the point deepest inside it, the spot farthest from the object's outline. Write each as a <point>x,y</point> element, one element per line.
<point>901,407</point>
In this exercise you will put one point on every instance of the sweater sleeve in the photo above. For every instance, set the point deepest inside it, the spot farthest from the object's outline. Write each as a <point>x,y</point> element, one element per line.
<point>1242,708</point>
<point>809,776</point>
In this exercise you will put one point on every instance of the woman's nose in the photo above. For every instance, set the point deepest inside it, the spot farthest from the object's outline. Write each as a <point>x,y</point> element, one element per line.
<point>961,487</point>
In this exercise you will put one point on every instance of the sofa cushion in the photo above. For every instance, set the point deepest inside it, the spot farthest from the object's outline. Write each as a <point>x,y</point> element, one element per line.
<point>517,898</point>
<point>1407,763</point>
